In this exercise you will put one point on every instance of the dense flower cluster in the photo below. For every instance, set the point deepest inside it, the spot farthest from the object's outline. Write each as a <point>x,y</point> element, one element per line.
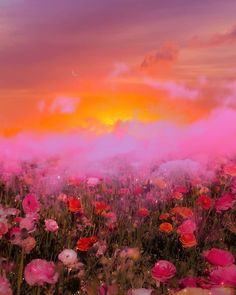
<point>119,236</point>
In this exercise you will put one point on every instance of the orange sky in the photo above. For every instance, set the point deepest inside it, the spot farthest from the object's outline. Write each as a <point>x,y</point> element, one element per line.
<point>66,65</point>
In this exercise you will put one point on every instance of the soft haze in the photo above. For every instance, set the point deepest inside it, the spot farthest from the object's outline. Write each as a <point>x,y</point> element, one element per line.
<point>121,76</point>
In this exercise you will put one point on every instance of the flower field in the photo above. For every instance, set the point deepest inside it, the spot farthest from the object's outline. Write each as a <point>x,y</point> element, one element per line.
<point>119,235</point>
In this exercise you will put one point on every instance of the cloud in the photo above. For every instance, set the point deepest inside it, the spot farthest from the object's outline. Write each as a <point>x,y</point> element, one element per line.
<point>215,40</point>
<point>119,69</point>
<point>230,99</point>
<point>141,145</point>
<point>165,56</point>
<point>61,104</point>
<point>175,90</point>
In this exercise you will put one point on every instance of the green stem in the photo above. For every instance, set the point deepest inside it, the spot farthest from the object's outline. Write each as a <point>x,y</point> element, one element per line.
<point>20,273</point>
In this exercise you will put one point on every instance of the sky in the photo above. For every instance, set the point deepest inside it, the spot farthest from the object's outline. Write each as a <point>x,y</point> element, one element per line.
<point>95,65</point>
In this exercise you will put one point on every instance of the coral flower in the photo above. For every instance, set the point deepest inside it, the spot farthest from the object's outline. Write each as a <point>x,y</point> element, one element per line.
<point>5,288</point>
<point>101,208</point>
<point>166,227</point>
<point>74,205</point>
<point>204,202</point>
<point>164,216</point>
<point>68,257</point>
<point>184,212</point>
<point>51,225</point>
<point>30,204</point>
<point>225,202</point>
<point>28,244</point>
<point>39,272</point>
<point>219,257</point>
<point>143,212</point>
<point>84,244</point>
<point>163,271</point>
<point>188,240</point>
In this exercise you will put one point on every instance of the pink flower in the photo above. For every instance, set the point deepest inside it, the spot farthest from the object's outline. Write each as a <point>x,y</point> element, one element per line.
<point>5,288</point>
<point>28,223</point>
<point>15,236</point>
<point>11,211</point>
<point>187,227</point>
<point>51,225</point>
<point>225,202</point>
<point>163,271</point>
<point>110,217</point>
<point>30,204</point>
<point>39,272</point>
<point>68,257</point>
<point>219,257</point>
<point>188,282</point>
<point>224,275</point>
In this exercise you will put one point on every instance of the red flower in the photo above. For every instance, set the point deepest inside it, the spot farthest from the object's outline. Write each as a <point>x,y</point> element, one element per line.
<point>101,208</point>
<point>74,205</point>
<point>143,212</point>
<point>205,202</point>
<point>84,244</point>
<point>164,216</point>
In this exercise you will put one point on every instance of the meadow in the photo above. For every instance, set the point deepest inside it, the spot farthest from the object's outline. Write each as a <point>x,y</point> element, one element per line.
<point>118,235</point>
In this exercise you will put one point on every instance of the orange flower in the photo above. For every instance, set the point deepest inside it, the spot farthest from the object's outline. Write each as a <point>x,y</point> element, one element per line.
<point>143,212</point>
<point>182,211</point>
<point>84,244</point>
<point>166,227</point>
<point>74,205</point>
<point>101,208</point>
<point>230,169</point>
<point>188,240</point>
<point>164,216</point>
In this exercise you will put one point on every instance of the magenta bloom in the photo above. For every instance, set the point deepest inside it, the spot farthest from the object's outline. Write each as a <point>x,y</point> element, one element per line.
<point>30,204</point>
<point>5,287</point>
<point>187,227</point>
<point>51,225</point>
<point>188,282</point>
<point>224,275</point>
<point>163,271</point>
<point>219,257</point>
<point>39,272</point>
<point>225,202</point>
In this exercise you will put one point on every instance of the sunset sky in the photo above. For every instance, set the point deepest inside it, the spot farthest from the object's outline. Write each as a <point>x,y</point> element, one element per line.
<point>91,64</point>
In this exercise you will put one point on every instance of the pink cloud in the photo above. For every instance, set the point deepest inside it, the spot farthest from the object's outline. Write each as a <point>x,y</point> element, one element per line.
<point>175,90</point>
<point>61,104</point>
<point>218,39</point>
